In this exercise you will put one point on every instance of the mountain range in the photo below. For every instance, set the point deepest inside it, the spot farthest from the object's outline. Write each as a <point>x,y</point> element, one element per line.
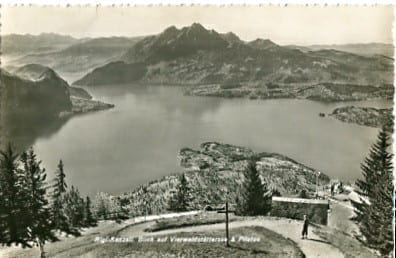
<point>196,56</point>
<point>368,49</point>
<point>64,54</point>
<point>19,45</point>
<point>210,63</point>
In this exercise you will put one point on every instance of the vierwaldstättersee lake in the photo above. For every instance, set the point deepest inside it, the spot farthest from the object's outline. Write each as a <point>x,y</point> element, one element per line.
<point>119,149</point>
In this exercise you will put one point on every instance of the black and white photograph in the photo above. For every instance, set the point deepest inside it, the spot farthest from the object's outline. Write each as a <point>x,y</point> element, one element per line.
<point>196,131</point>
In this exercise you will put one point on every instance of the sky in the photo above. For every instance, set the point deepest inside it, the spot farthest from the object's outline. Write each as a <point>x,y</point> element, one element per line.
<point>301,25</point>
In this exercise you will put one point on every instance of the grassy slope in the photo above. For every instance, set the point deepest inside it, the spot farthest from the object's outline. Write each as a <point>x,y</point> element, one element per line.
<point>349,246</point>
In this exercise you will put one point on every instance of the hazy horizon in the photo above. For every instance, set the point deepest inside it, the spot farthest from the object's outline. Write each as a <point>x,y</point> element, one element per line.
<point>141,36</point>
<point>291,25</point>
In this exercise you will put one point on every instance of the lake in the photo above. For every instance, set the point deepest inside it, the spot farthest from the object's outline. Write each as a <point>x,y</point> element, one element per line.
<point>119,149</point>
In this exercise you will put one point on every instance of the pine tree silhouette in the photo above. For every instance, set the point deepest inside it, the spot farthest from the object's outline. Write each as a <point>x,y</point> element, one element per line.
<point>101,206</point>
<point>375,209</point>
<point>74,208</point>
<point>37,208</point>
<point>25,213</point>
<point>180,200</point>
<point>13,228</point>
<point>255,199</point>
<point>57,210</point>
<point>89,219</point>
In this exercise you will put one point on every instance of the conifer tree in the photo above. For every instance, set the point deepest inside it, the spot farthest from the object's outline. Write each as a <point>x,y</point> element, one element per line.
<point>60,180</point>
<point>3,215</point>
<point>89,219</point>
<point>180,200</point>
<point>37,209</point>
<point>14,230</point>
<point>255,197</point>
<point>374,165</point>
<point>57,210</point>
<point>108,207</point>
<point>375,209</point>
<point>382,215</point>
<point>74,208</point>
<point>101,206</point>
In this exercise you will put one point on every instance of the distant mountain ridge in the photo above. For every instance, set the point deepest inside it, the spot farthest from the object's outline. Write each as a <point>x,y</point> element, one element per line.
<point>215,64</point>
<point>17,44</point>
<point>194,55</point>
<point>72,56</point>
<point>174,43</point>
<point>366,49</point>
<point>231,37</point>
<point>262,44</point>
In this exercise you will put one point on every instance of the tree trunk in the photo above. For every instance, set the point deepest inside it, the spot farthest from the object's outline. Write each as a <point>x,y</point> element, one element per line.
<point>41,245</point>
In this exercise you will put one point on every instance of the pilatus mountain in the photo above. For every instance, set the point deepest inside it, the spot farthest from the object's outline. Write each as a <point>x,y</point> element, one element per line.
<point>215,64</point>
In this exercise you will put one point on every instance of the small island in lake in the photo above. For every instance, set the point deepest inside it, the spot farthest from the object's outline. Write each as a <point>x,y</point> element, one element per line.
<point>366,116</point>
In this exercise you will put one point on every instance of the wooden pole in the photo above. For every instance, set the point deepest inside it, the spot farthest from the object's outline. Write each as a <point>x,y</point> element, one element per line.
<point>227,234</point>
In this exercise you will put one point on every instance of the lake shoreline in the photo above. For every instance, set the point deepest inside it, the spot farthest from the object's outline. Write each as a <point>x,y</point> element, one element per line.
<point>325,92</point>
<point>83,106</point>
<point>141,135</point>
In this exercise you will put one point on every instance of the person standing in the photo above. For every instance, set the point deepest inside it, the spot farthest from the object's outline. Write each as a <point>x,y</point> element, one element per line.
<point>305,228</point>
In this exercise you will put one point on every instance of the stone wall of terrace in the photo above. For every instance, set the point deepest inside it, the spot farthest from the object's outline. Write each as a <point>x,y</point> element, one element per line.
<point>296,208</point>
